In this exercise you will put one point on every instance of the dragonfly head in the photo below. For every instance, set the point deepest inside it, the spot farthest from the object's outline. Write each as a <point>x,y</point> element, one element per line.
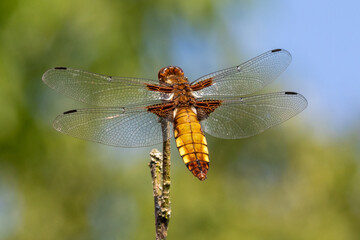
<point>166,74</point>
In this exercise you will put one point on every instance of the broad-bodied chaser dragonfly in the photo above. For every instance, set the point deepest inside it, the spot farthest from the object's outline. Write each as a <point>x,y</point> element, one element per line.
<point>216,103</point>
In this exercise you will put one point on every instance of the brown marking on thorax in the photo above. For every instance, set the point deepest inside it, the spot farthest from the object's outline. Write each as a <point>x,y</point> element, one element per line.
<point>202,84</point>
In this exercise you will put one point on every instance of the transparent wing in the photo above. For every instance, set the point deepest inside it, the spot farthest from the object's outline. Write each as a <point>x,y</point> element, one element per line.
<point>100,90</point>
<point>244,117</point>
<point>122,127</point>
<point>248,77</point>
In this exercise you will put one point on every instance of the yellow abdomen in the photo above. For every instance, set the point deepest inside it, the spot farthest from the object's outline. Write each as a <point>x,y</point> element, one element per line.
<point>191,142</point>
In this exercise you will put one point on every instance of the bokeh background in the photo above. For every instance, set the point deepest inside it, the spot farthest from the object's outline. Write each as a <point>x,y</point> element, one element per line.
<point>299,180</point>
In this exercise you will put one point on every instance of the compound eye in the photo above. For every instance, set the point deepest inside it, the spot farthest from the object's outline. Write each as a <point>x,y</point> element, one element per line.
<point>162,73</point>
<point>178,71</point>
<point>170,70</point>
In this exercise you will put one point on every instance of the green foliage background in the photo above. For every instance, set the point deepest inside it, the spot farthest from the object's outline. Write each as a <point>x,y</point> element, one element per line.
<point>286,183</point>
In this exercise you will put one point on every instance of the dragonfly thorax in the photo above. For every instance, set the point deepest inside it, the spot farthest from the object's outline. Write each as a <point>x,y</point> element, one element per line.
<point>183,94</point>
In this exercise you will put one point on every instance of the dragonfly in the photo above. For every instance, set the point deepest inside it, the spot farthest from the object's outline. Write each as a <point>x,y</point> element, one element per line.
<point>129,110</point>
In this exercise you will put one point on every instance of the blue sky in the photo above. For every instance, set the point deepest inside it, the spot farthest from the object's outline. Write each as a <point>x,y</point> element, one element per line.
<point>323,38</point>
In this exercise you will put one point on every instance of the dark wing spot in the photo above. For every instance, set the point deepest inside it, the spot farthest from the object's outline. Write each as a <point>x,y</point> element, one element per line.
<point>291,93</point>
<point>61,68</point>
<point>110,78</point>
<point>276,50</point>
<point>70,111</point>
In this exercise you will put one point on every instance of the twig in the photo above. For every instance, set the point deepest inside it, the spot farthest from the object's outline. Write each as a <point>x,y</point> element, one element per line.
<point>160,173</point>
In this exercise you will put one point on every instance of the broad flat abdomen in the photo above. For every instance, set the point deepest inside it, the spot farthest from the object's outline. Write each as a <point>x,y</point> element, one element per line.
<point>191,142</point>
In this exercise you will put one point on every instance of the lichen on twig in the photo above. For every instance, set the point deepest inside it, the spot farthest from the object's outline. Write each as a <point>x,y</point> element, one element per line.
<point>160,173</point>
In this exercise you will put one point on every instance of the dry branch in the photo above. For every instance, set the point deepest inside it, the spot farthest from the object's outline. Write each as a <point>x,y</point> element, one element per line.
<point>160,173</point>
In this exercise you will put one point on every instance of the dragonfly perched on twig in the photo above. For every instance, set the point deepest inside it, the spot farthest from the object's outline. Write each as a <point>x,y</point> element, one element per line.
<point>217,103</point>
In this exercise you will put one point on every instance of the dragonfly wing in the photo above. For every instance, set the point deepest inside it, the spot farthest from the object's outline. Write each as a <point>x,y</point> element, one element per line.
<point>244,117</point>
<point>248,77</point>
<point>100,90</point>
<point>121,127</point>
